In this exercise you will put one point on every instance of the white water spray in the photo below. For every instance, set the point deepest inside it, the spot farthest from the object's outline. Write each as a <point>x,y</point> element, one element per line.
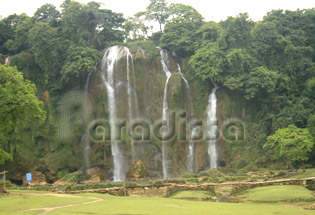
<point>190,102</point>
<point>165,61</point>
<point>111,57</point>
<point>211,126</point>
<point>132,99</point>
<point>191,150</point>
<point>191,143</point>
<point>6,61</point>
<point>85,144</point>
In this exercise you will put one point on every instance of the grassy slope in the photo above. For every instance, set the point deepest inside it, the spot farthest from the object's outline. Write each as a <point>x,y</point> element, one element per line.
<point>279,193</point>
<point>296,175</point>
<point>167,206</point>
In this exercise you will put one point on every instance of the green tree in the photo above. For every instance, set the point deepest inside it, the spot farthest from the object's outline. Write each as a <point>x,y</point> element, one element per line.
<point>179,33</point>
<point>8,26</point>
<point>18,105</point>
<point>292,144</point>
<point>47,13</point>
<point>88,25</point>
<point>236,32</point>
<point>311,125</point>
<point>79,62</point>
<point>48,50</point>
<point>158,10</point>
<point>20,42</point>
<point>136,27</point>
<point>208,33</point>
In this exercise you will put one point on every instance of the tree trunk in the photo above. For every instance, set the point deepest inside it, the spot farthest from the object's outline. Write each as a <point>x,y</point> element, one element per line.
<point>290,167</point>
<point>161,28</point>
<point>303,166</point>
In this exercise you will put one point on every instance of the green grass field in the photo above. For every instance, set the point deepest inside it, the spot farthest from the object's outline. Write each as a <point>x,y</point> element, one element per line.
<point>17,203</point>
<point>198,194</point>
<point>280,193</point>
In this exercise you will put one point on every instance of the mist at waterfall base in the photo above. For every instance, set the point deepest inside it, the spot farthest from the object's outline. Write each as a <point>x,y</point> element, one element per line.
<point>109,62</point>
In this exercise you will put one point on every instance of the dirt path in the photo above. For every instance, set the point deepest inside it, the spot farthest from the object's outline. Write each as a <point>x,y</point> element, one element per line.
<point>47,210</point>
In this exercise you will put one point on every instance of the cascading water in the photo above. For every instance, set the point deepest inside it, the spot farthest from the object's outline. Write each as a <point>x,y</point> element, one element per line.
<point>190,159</point>
<point>211,126</point>
<point>85,140</point>
<point>190,102</point>
<point>111,57</point>
<point>85,144</point>
<point>6,61</point>
<point>86,88</point>
<point>191,145</point>
<point>132,99</point>
<point>165,61</point>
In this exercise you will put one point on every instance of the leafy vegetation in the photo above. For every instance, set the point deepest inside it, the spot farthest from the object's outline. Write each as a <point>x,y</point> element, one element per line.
<point>18,106</point>
<point>268,66</point>
<point>291,144</point>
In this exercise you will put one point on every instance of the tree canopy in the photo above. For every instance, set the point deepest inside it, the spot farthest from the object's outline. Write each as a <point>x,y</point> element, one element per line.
<point>291,144</point>
<point>18,104</point>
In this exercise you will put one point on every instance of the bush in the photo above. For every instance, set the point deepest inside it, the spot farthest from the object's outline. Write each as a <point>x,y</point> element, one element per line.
<point>239,164</point>
<point>72,177</point>
<point>176,180</point>
<point>251,168</point>
<point>92,186</point>
<point>211,173</point>
<point>62,173</point>
<point>158,183</point>
<point>7,183</point>
<point>311,186</point>
<point>281,174</point>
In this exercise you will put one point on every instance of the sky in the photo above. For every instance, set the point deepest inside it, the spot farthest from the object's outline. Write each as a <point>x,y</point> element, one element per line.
<point>211,10</point>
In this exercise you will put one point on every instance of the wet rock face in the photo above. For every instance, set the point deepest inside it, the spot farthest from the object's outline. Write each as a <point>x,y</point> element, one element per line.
<point>137,171</point>
<point>146,83</point>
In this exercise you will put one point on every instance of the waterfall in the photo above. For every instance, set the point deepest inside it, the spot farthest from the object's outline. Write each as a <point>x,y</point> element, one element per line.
<point>191,146</point>
<point>6,61</point>
<point>190,159</point>
<point>132,97</point>
<point>190,102</point>
<point>85,144</point>
<point>165,61</point>
<point>110,58</point>
<point>211,126</point>
<point>85,140</point>
<point>86,88</point>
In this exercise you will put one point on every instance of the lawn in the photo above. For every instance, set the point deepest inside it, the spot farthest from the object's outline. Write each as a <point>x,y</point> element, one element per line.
<point>279,193</point>
<point>15,203</point>
<point>166,206</point>
<point>113,205</point>
<point>197,194</point>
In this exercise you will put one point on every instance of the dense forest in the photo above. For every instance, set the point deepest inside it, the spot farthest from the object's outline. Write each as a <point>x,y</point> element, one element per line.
<point>268,64</point>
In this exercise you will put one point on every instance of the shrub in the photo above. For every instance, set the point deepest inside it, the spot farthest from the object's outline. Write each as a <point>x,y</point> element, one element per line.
<point>211,173</point>
<point>251,168</point>
<point>72,177</point>
<point>176,180</point>
<point>62,173</point>
<point>311,186</point>
<point>7,183</point>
